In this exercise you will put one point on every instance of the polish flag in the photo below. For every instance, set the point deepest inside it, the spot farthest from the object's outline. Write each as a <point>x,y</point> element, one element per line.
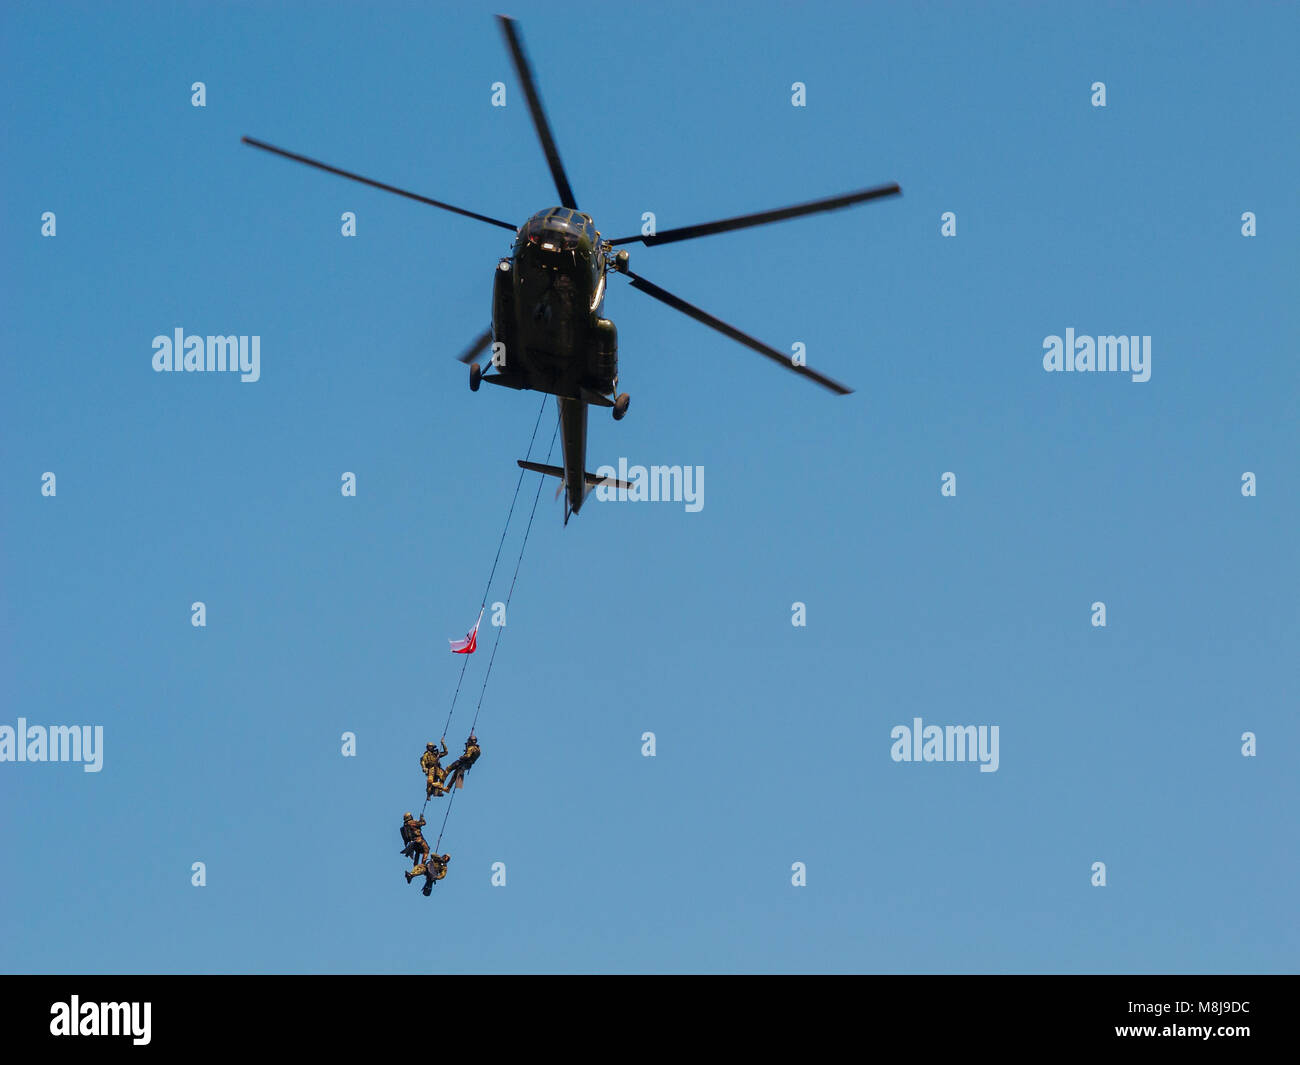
<point>468,645</point>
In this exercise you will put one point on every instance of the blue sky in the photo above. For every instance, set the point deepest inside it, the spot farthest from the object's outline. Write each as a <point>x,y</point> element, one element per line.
<point>324,614</point>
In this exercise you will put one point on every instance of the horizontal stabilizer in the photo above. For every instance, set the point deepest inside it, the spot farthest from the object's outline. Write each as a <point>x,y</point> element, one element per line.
<point>592,479</point>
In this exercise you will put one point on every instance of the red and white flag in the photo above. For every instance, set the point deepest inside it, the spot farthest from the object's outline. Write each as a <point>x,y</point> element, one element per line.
<point>468,645</point>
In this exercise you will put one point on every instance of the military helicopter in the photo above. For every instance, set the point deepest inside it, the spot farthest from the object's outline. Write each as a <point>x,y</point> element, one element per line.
<point>548,331</point>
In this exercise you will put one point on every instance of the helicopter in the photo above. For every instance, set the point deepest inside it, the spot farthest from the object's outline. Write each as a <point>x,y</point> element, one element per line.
<point>548,331</point>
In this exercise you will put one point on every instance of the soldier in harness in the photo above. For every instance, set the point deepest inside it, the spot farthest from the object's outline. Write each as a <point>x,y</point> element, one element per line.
<point>462,765</point>
<point>416,848</point>
<point>434,774</point>
<point>432,869</point>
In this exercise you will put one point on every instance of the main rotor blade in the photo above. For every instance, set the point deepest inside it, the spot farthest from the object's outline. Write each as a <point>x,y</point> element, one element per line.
<point>477,345</point>
<point>762,218</point>
<point>677,303</point>
<point>376,184</point>
<point>525,73</point>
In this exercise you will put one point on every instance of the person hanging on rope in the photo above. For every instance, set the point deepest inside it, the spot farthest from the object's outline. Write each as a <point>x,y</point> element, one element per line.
<point>407,844</point>
<point>416,848</point>
<point>462,765</point>
<point>432,869</point>
<point>434,774</point>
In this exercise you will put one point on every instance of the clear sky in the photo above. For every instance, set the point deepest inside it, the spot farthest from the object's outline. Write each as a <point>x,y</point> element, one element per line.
<point>328,615</point>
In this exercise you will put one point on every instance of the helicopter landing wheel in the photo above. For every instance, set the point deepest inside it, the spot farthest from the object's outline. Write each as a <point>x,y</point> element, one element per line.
<point>475,376</point>
<point>620,406</point>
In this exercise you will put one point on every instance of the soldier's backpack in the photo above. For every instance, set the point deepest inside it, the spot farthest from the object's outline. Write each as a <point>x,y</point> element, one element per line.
<point>408,836</point>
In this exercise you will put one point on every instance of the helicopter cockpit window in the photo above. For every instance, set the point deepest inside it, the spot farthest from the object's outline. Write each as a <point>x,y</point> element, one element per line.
<point>559,230</point>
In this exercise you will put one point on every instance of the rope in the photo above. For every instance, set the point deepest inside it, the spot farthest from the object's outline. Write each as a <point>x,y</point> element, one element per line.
<point>501,628</point>
<point>488,588</point>
<point>444,822</point>
<point>497,642</point>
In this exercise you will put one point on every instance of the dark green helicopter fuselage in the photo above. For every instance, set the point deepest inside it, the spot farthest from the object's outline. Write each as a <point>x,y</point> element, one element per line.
<point>547,326</point>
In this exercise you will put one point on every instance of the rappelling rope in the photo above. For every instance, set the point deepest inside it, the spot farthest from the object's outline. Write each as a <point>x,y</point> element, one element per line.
<point>501,628</point>
<point>483,606</point>
<point>497,642</point>
<point>465,664</point>
<point>444,822</point>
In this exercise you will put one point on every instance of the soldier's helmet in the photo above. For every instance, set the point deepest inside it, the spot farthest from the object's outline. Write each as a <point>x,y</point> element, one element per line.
<point>428,746</point>
<point>407,816</point>
<point>473,738</point>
